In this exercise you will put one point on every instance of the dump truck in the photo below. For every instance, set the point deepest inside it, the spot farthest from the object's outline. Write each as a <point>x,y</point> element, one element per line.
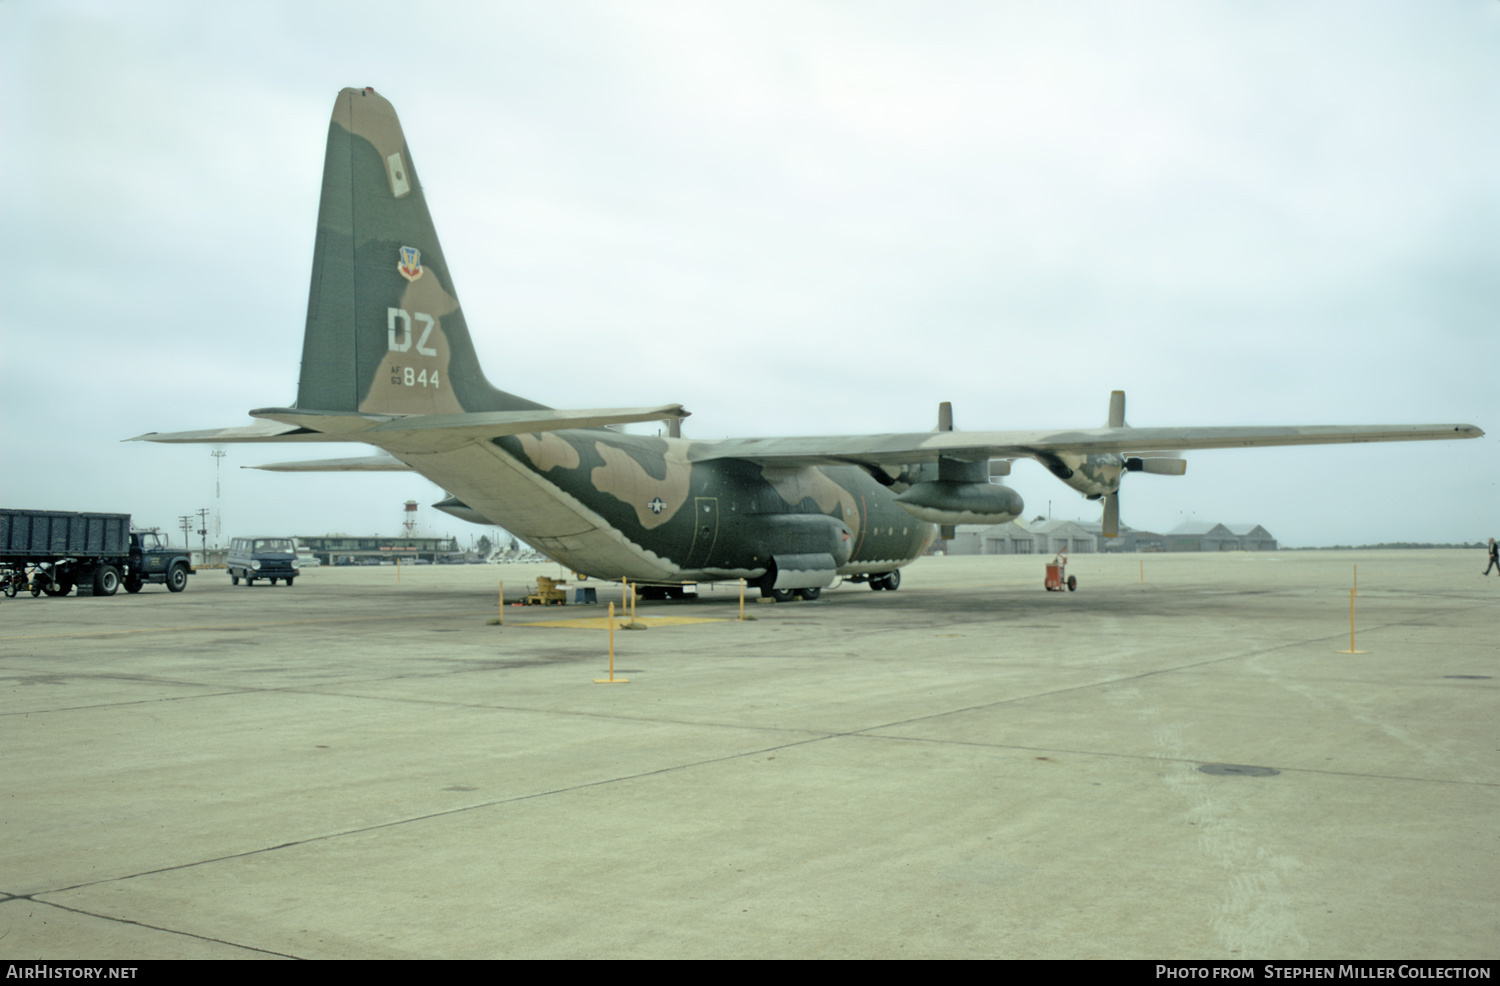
<point>57,551</point>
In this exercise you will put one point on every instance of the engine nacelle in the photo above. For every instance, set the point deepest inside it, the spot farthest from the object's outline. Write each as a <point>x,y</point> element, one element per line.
<point>948,502</point>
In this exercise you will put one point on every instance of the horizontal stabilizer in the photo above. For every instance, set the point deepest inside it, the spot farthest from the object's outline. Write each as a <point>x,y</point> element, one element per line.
<point>359,463</point>
<point>417,432</point>
<point>261,431</point>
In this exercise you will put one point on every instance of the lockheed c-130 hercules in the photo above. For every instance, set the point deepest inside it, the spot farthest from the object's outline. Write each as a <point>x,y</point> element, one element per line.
<point>387,361</point>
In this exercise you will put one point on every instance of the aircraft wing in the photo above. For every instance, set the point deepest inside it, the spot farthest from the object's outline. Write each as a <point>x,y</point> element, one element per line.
<point>903,449</point>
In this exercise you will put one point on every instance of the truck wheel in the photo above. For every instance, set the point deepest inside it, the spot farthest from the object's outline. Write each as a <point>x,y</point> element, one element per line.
<point>234,579</point>
<point>288,583</point>
<point>106,580</point>
<point>177,578</point>
<point>133,584</point>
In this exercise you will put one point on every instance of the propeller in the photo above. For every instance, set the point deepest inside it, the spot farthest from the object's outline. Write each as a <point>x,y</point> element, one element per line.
<point>1157,463</point>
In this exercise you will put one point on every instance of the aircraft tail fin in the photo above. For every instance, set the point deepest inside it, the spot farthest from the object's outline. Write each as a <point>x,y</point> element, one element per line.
<point>385,332</point>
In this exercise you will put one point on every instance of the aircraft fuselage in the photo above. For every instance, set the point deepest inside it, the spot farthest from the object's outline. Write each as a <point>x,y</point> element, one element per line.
<point>616,505</point>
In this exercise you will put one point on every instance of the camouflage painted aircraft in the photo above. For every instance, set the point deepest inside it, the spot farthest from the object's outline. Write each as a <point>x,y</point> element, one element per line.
<point>387,361</point>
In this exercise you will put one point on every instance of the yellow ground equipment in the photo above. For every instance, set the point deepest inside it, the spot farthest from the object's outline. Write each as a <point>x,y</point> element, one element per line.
<point>549,592</point>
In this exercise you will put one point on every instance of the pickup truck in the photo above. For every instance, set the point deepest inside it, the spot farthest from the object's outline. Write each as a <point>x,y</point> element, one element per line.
<point>56,551</point>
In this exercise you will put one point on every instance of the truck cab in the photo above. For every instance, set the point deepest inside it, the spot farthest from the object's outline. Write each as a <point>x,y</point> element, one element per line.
<point>152,560</point>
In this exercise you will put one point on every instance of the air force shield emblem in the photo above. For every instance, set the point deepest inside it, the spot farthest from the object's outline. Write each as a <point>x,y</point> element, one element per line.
<point>411,263</point>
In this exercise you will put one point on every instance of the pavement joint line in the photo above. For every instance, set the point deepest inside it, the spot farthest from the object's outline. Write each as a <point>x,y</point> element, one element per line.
<point>241,626</point>
<point>336,619</point>
<point>237,690</point>
<point>671,768</point>
<point>153,927</point>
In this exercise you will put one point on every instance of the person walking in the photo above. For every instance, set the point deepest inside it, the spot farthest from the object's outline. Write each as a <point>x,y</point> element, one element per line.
<point>1494,559</point>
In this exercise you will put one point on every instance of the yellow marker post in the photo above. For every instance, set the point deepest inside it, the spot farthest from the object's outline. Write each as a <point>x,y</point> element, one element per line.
<point>1351,649</point>
<point>743,617</point>
<point>398,570</point>
<point>1143,571</point>
<point>611,680</point>
<point>500,622</point>
<point>627,609</point>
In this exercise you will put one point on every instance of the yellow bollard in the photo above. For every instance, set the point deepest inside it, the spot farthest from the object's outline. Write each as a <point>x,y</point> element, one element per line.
<point>627,609</point>
<point>743,617</point>
<point>1351,649</point>
<point>611,680</point>
<point>1143,571</point>
<point>500,621</point>
<point>398,571</point>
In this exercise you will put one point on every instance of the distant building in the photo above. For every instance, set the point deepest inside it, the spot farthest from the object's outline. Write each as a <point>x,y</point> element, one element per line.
<point>1200,536</point>
<point>1047,537</point>
<point>339,549</point>
<point>1071,536</point>
<point>1130,540</point>
<point>1012,538</point>
<point>1253,537</point>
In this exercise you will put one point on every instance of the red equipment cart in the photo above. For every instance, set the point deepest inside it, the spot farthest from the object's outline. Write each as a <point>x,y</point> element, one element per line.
<point>1056,570</point>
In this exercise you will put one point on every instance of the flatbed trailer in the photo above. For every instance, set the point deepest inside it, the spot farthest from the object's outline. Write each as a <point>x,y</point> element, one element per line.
<point>57,551</point>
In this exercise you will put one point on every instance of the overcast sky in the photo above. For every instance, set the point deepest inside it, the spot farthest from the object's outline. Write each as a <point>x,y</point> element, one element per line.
<point>793,218</point>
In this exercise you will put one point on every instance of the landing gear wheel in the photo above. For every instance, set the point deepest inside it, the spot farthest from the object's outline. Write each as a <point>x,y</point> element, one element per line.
<point>893,580</point>
<point>133,584</point>
<point>36,590</point>
<point>177,578</point>
<point>780,595</point>
<point>106,580</point>
<point>810,594</point>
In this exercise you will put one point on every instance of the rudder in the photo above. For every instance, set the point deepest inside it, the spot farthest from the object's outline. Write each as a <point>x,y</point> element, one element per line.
<point>385,332</point>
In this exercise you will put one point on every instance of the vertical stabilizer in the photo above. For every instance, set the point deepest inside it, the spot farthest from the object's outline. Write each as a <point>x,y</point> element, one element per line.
<point>385,333</point>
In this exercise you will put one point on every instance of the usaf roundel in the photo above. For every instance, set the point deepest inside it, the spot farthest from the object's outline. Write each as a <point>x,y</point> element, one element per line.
<point>656,505</point>
<point>411,263</point>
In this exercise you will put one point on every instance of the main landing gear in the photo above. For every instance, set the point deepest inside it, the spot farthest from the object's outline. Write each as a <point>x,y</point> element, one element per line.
<point>889,580</point>
<point>786,595</point>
